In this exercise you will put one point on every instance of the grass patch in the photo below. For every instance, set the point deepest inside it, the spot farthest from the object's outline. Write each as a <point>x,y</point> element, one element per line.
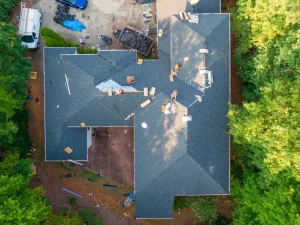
<point>72,201</point>
<point>53,39</point>
<point>87,174</point>
<point>63,166</point>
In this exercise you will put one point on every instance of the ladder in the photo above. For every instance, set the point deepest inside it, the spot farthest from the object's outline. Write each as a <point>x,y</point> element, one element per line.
<point>23,5</point>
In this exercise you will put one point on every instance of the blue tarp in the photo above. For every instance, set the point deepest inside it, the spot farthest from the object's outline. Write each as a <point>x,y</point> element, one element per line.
<point>74,25</point>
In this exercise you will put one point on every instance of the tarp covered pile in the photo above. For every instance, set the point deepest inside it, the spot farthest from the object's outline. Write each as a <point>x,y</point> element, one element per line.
<point>63,17</point>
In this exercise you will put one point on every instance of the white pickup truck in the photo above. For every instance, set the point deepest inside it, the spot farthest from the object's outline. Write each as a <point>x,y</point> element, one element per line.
<point>29,27</point>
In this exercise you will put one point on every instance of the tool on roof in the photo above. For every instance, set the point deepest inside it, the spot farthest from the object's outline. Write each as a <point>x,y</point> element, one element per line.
<point>187,118</point>
<point>145,103</point>
<point>160,33</point>
<point>194,2</point>
<point>152,91</point>
<point>130,79</point>
<point>68,150</point>
<point>193,18</point>
<point>129,116</point>
<point>145,91</point>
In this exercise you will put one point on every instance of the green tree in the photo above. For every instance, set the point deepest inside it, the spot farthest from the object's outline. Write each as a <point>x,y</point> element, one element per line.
<point>266,199</point>
<point>5,8</point>
<point>90,218</point>
<point>12,165</point>
<point>9,103</point>
<point>271,127</point>
<point>14,73</point>
<point>64,218</point>
<point>19,204</point>
<point>13,64</point>
<point>204,208</point>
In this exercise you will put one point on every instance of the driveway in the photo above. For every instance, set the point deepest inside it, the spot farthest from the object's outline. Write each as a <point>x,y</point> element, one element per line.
<point>100,17</point>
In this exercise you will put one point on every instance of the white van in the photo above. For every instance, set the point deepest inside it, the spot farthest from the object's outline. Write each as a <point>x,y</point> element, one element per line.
<point>29,27</point>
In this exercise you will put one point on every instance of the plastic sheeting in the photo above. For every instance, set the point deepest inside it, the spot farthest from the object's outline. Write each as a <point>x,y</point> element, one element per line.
<point>74,25</point>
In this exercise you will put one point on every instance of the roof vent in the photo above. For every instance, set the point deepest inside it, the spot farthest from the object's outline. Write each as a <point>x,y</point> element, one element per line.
<point>144,125</point>
<point>187,118</point>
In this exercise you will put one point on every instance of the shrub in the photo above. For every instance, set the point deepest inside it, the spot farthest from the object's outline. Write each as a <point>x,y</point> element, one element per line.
<point>90,218</point>
<point>204,208</point>
<point>180,202</point>
<point>53,39</point>
<point>72,201</point>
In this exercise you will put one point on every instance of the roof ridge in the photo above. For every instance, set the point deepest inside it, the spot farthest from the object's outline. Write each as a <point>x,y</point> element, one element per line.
<point>164,171</point>
<point>219,24</point>
<point>109,77</point>
<point>206,171</point>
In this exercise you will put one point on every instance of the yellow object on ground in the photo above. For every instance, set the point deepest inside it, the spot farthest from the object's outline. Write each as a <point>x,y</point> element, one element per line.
<point>33,76</point>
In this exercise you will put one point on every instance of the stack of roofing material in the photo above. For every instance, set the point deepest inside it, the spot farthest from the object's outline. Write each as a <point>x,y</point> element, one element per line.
<point>135,40</point>
<point>62,14</point>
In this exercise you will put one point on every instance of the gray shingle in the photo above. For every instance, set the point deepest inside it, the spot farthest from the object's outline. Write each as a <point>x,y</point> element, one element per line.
<point>158,146</point>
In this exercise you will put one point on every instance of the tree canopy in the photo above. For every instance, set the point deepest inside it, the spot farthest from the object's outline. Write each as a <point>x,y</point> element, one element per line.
<point>265,131</point>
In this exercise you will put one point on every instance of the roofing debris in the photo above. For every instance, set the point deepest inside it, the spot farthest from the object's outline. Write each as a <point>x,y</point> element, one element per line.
<point>136,40</point>
<point>62,14</point>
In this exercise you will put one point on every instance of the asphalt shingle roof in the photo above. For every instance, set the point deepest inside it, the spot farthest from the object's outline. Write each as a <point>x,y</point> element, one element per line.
<point>172,157</point>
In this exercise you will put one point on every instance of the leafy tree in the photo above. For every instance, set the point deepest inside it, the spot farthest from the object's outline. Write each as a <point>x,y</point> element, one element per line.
<point>5,8</point>
<point>90,218</point>
<point>12,165</point>
<point>204,209</point>
<point>271,127</point>
<point>265,171</point>
<point>269,46</point>
<point>266,199</point>
<point>14,73</point>
<point>9,103</point>
<point>64,218</point>
<point>13,64</point>
<point>19,204</point>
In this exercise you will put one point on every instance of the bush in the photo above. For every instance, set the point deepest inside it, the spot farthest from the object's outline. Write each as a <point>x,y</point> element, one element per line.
<point>90,218</point>
<point>204,208</point>
<point>53,39</point>
<point>64,217</point>
<point>72,201</point>
<point>180,202</point>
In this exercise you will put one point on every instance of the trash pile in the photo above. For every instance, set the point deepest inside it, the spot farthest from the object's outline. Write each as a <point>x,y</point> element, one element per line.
<point>63,17</point>
<point>62,14</point>
<point>135,40</point>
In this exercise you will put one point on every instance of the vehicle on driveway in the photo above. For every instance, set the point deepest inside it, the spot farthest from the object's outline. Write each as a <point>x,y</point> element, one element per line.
<point>80,4</point>
<point>29,27</point>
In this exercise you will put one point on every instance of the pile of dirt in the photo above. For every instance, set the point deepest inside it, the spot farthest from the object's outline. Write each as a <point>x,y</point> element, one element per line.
<point>62,14</point>
<point>136,41</point>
